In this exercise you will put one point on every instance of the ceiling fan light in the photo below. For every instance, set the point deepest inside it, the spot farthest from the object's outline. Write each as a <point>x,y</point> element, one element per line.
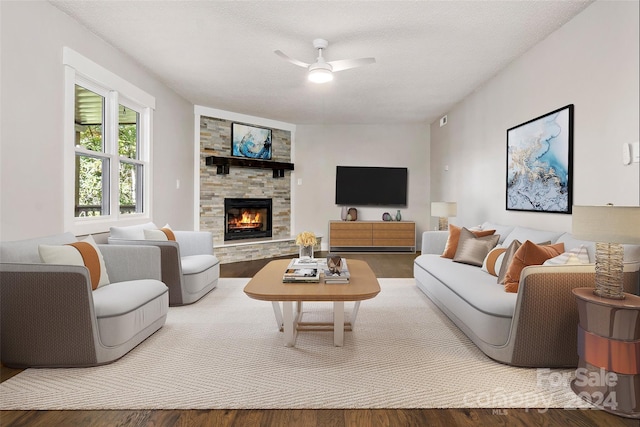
<point>320,75</point>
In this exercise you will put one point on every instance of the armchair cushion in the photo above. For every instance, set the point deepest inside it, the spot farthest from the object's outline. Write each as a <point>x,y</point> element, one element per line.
<point>165,233</point>
<point>84,252</point>
<point>132,232</point>
<point>197,263</point>
<point>124,309</point>
<point>26,251</point>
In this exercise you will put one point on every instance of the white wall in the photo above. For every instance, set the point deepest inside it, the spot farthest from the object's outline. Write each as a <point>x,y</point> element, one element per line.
<point>32,81</point>
<point>591,62</point>
<point>318,149</point>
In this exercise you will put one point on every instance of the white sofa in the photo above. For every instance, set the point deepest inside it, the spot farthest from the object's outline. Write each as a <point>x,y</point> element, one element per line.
<point>51,317</point>
<point>189,267</point>
<point>535,327</point>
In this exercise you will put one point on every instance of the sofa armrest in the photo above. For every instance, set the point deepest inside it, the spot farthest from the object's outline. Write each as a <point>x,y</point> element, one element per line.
<point>47,316</point>
<point>434,242</point>
<point>546,313</point>
<point>131,262</point>
<point>194,242</point>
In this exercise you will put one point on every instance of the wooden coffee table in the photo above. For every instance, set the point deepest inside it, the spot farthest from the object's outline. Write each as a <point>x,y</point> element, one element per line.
<point>267,285</point>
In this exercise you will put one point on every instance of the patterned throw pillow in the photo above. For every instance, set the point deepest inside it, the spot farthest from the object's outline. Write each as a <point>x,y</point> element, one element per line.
<point>492,262</point>
<point>84,252</point>
<point>578,255</point>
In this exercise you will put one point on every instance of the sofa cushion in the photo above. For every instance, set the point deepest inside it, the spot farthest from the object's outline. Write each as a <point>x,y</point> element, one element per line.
<point>84,252</point>
<point>492,262</point>
<point>471,284</point>
<point>502,230</point>
<point>571,242</point>
<point>472,249</point>
<point>536,236</point>
<point>165,233</point>
<point>506,260</point>
<point>528,254</point>
<point>577,255</point>
<point>508,257</point>
<point>131,232</point>
<point>454,238</point>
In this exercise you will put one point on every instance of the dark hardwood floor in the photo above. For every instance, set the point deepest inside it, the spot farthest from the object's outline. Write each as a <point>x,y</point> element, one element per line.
<point>384,265</point>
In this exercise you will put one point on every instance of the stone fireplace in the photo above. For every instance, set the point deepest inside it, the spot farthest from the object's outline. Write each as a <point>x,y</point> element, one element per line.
<point>247,218</point>
<point>238,182</point>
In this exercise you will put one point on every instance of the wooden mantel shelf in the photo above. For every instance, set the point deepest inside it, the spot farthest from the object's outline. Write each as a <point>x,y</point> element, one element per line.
<point>223,163</point>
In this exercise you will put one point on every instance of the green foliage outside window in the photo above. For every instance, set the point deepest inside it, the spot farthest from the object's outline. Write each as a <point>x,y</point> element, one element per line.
<point>127,147</point>
<point>90,170</point>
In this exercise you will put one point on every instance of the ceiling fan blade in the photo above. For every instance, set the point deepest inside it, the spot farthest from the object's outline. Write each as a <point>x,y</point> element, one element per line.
<point>290,59</point>
<point>345,64</point>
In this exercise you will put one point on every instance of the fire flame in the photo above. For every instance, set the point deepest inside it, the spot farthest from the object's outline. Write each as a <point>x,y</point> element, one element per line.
<point>248,219</point>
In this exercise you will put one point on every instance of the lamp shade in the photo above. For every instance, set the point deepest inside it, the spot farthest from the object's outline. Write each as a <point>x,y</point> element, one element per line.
<point>611,224</point>
<point>320,75</point>
<point>444,209</point>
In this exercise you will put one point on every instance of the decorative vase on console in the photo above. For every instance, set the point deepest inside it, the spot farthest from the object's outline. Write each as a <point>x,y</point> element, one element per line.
<point>398,216</point>
<point>306,241</point>
<point>343,213</point>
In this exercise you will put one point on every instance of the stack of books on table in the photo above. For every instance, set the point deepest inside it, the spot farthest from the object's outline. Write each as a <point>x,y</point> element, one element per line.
<point>301,272</point>
<point>307,263</point>
<point>341,277</point>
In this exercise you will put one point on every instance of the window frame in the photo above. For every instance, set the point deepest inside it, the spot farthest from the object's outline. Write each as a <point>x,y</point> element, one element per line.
<point>117,91</point>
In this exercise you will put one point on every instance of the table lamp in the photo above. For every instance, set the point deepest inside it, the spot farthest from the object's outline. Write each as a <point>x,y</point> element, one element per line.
<point>444,210</point>
<point>609,226</point>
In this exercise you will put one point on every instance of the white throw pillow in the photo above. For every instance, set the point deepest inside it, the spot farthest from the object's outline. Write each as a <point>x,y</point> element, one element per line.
<point>78,253</point>
<point>165,233</point>
<point>132,232</point>
<point>577,255</point>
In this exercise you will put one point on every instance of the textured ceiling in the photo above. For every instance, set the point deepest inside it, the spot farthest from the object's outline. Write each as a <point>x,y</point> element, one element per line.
<point>430,54</point>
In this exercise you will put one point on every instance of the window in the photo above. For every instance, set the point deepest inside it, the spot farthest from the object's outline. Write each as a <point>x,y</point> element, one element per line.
<point>109,132</point>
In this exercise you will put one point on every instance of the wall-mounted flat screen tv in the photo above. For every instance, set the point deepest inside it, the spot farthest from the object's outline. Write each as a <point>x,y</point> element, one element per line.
<point>373,186</point>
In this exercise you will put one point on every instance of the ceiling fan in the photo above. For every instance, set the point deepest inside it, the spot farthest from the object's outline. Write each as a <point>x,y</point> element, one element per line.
<point>321,71</point>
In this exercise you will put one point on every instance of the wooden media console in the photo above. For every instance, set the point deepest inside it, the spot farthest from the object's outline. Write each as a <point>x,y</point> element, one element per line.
<point>367,236</point>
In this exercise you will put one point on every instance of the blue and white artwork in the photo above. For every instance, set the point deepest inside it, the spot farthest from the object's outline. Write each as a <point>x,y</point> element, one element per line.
<point>250,141</point>
<point>539,161</point>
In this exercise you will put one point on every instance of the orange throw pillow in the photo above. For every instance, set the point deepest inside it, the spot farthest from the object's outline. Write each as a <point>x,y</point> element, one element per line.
<point>528,254</point>
<point>454,237</point>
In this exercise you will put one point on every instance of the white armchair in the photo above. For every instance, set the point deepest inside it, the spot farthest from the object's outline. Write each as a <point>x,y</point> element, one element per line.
<point>189,267</point>
<point>50,316</point>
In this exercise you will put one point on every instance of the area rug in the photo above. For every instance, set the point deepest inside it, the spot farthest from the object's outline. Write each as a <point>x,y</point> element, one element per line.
<point>225,352</point>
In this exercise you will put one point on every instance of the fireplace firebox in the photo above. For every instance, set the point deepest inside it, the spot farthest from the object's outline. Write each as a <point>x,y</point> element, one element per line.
<point>247,218</point>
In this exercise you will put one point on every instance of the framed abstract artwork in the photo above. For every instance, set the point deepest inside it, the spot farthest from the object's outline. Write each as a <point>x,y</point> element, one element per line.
<point>250,141</point>
<point>540,162</point>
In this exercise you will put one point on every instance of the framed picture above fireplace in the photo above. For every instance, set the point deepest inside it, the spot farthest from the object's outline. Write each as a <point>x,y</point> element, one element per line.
<point>250,141</point>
